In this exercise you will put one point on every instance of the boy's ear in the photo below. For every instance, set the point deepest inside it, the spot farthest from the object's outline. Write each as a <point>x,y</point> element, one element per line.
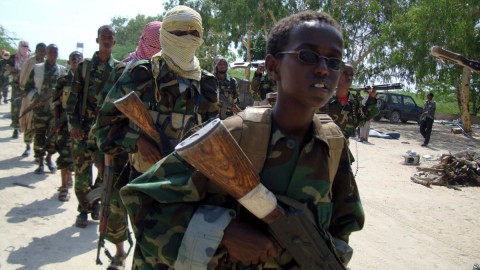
<point>271,65</point>
<point>96,40</point>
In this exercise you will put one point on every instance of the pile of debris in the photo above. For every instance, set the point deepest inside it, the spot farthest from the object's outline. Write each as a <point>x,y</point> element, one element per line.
<point>460,169</point>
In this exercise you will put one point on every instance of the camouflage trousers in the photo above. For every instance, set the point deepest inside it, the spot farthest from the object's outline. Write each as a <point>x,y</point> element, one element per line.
<point>4,90</point>
<point>44,139</point>
<point>63,145</point>
<point>28,136</point>
<point>117,224</point>
<point>83,160</point>
<point>15,105</point>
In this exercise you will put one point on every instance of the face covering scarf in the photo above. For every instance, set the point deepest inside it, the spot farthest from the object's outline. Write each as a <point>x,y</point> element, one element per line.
<point>179,51</point>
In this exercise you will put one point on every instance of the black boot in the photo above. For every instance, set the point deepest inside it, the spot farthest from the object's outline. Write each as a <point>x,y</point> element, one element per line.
<point>15,134</point>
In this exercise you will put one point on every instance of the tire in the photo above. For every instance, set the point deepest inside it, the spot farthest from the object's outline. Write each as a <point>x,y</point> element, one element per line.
<point>395,117</point>
<point>404,121</point>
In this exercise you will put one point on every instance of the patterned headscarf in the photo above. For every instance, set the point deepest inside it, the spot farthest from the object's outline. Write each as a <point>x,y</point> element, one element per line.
<point>149,43</point>
<point>219,59</point>
<point>22,55</point>
<point>5,54</point>
<point>179,51</point>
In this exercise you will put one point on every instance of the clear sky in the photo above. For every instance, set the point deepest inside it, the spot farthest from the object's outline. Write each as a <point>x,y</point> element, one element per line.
<point>66,22</point>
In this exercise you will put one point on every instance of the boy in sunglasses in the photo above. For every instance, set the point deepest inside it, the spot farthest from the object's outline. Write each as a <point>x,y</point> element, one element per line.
<point>171,205</point>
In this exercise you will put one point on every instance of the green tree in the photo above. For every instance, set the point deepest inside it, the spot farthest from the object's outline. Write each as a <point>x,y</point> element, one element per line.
<point>7,41</point>
<point>446,23</point>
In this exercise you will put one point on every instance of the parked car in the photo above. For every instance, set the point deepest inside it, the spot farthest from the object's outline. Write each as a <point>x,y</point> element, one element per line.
<point>397,107</point>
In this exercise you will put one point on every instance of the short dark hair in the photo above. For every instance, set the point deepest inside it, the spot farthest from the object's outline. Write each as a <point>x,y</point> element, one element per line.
<point>52,46</point>
<point>430,94</point>
<point>75,53</point>
<point>40,45</point>
<point>280,33</point>
<point>103,27</point>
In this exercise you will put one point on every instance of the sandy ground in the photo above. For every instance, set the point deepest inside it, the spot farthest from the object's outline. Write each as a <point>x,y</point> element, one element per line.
<point>408,226</point>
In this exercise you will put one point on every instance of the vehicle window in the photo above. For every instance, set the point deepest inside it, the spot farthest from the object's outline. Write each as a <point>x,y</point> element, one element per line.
<point>397,99</point>
<point>381,96</point>
<point>408,101</point>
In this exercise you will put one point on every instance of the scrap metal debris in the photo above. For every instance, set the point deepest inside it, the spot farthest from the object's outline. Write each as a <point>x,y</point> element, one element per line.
<point>460,169</point>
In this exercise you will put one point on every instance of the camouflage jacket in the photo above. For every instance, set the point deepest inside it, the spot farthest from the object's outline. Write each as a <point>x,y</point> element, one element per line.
<point>4,76</point>
<point>229,88</point>
<point>15,73</point>
<point>51,73</point>
<point>99,75</point>
<point>199,99</point>
<point>262,85</point>
<point>62,90</point>
<point>161,203</point>
<point>351,115</point>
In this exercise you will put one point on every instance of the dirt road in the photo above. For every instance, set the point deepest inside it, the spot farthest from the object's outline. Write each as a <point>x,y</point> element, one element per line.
<point>408,226</point>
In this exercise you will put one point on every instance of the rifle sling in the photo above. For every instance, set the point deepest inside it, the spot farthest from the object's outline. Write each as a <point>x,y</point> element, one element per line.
<point>86,73</point>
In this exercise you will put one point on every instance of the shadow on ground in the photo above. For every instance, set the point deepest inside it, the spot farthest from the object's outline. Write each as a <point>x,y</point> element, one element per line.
<point>26,181</point>
<point>37,209</point>
<point>18,162</point>
<point>59,247</point>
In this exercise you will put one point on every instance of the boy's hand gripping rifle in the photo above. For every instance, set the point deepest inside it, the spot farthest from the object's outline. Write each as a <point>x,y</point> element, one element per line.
<point>214,152</point>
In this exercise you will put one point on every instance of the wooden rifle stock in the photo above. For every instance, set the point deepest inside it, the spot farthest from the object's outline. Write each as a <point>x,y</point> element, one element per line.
<point>132,107</point>
<point>214,152</point>
<point>458,59</point>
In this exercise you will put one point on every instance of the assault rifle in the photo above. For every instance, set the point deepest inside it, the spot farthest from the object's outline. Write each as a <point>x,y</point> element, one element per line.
<point>445,55</point>
<point>108,179</point>
<point>132,107</point>
<point>310,246</point>
<point>378,87</point>
<point>227,104</point>
<point>214,152</point>
<point>37,103</point>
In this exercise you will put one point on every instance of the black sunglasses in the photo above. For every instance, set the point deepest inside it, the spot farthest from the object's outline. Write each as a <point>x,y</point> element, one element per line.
<point>313,58</point>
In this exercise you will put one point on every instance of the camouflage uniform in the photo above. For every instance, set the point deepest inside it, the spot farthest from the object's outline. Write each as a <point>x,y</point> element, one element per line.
<point>351,115</point>
<point>161,203</point>
<point>190,107</point>
<point>84,151</point>
<point>4,80</point>
<point>115,136</point>
<point>63,143</point>
<point>227,87</point>
<point>262,85</point>
<point>43,118</point>
<point>117,223</point>
<point>16,96</point>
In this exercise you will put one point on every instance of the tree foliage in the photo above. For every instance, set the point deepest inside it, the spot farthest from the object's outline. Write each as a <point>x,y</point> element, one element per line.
<point>385,40</point>
<point>7,41</point>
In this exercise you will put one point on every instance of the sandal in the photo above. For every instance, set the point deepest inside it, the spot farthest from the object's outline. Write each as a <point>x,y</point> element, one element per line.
<point>81,221</point>
<point>64,195</point>
<point>117,263</point>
